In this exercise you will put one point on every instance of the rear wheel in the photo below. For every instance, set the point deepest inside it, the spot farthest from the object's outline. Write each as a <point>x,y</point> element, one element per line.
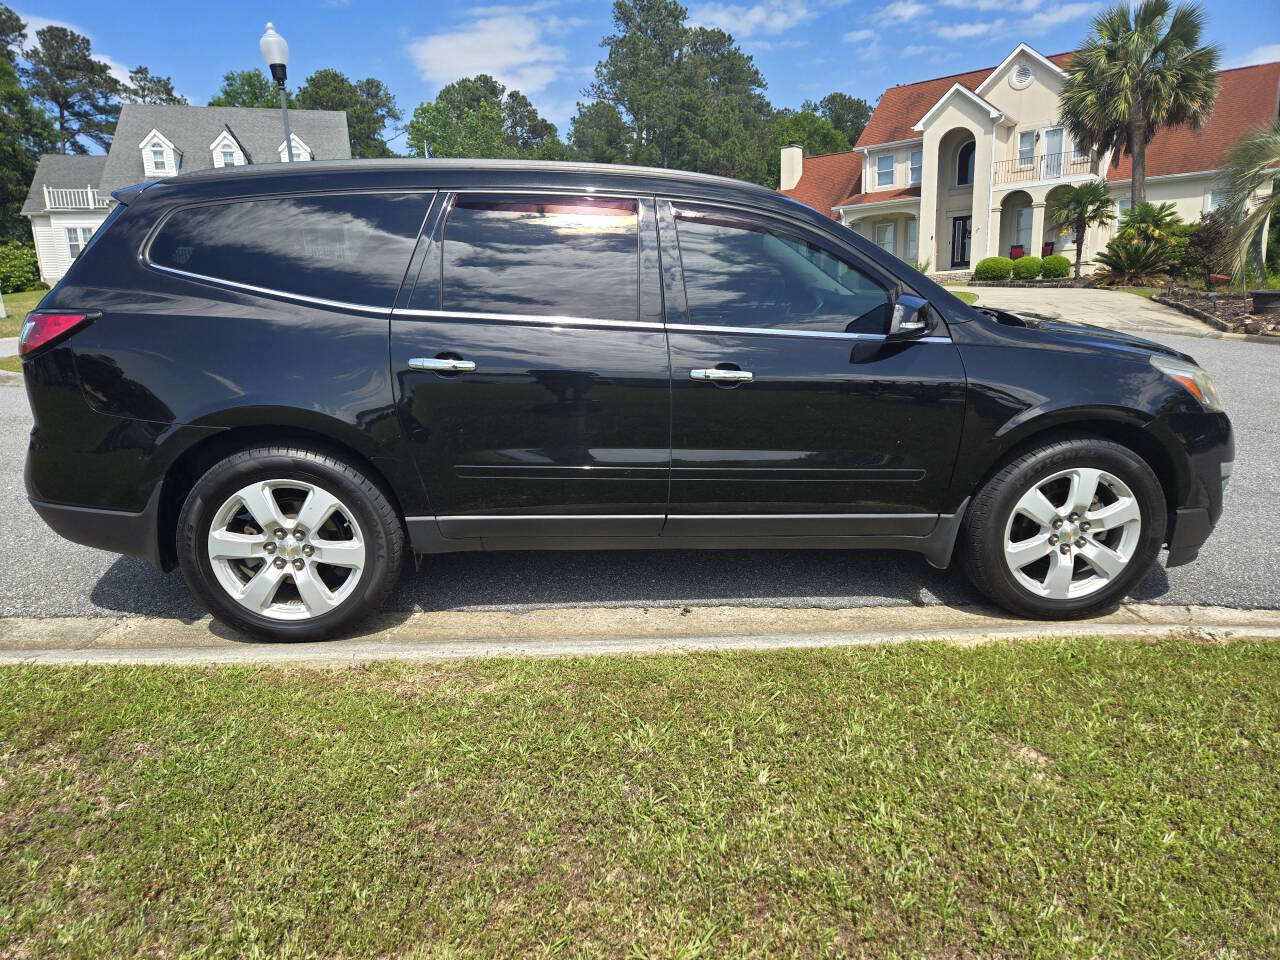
<point>289,543</point>
<point>1065,529</point>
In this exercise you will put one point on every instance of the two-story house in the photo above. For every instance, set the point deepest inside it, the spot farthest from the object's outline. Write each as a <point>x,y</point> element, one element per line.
<point>70,196</point>
<point>962,167</point>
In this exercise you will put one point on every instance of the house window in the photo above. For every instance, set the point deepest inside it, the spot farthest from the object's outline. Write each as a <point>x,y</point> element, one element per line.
<point>884,170</point>
<point>1022,229</point>
<point>964,165</point>
<point>228,157</point>
<point>1026,147</point>
<point>912,240</point>
<point>77,239</point>
<point>884,236</point>
<point>157,157</point>
<point>1218,198</point>
<point>917,159</point>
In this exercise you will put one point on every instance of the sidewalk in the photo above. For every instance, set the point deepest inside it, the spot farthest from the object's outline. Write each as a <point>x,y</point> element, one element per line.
<point>1113,309</point>
<point>590,632</point>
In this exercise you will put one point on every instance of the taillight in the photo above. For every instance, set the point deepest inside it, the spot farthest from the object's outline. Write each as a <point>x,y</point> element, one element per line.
<point>42,329</point>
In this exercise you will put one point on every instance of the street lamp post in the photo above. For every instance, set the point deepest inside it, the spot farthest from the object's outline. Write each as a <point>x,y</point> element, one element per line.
<point>276,52</point>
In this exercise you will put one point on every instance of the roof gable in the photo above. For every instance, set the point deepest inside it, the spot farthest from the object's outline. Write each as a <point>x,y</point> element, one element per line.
<point>964,93</point>
<point>1026,52</point>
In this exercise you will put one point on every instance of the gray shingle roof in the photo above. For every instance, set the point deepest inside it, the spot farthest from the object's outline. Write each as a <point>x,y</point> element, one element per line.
<point>192,129</point>
<point>60,170</point>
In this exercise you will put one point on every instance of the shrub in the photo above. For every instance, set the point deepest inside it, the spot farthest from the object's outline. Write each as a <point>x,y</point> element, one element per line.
<point>1150,221</point>
<point>19,269</point>
<point>1208,250</point>
<point>1026,268</point>
<point>1055,267</point>
<point>993,270</point>
<point>1136,260</point>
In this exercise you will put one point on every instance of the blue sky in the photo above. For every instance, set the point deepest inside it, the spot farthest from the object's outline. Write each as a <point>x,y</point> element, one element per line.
<point>548,48</point>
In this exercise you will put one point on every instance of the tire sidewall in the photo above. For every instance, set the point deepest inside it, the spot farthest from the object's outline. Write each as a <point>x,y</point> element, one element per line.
<point>1116,460</point>
<point>236,472</point>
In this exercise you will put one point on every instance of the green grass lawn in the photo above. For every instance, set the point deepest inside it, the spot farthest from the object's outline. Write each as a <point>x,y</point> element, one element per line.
<point>966,296</point>
<point>12,364</point>
<point>1074,798</point>
<point>17,306</point>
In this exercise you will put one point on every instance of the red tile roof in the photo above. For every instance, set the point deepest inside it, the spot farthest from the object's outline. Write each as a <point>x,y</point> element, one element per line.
<point>828,179</point>
<point>881,196</point>
<point>900,108</point>
<point>1248,97</point>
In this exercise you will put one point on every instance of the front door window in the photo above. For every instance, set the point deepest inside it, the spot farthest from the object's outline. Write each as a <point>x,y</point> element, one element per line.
<point>960,231</point>
<point>1053,153</point>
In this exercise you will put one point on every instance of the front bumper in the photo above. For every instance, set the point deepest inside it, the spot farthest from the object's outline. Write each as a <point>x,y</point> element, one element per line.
<point>118,531</point>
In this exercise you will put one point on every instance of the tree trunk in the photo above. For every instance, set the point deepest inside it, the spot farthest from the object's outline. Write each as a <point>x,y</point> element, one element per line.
<point>1138,154</point>
<point>1080,228</point>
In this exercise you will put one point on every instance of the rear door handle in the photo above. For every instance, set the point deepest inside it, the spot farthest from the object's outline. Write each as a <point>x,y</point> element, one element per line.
<point>721,376</point>
<point>442,364</point>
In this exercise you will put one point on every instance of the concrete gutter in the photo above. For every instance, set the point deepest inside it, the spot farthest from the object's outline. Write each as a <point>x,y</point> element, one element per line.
<point>591,632</point>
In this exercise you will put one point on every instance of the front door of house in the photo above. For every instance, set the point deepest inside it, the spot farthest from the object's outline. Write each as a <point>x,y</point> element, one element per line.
<point>961,227</point>
<point>1053,153</point>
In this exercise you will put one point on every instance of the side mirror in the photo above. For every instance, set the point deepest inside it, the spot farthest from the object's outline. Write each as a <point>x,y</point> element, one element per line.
<point>910,318</point>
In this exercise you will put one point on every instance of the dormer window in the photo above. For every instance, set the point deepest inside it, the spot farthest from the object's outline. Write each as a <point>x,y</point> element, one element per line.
<point>300,150</point>
<point>160,158</point>
<point>228,158</point>
<point>227,151</point>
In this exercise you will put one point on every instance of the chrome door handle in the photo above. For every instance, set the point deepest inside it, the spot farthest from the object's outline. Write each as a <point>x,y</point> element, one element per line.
<point>442,365</point>
<point>721,376</point>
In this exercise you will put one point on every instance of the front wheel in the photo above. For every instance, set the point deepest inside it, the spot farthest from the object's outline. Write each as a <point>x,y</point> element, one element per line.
<point>289,543</point>
<point>1065,529</point>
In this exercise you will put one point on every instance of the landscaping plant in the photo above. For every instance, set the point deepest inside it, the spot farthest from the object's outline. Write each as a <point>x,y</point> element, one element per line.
<point>1142,68</point>
<point>1154,221</point>
<point>1057,267</point>
<point>1252,165</point>
<point>993,270</point>
<point>1026,268</point>
<point>1209,248</point>
<point>19,270</point>
<point>1076,208</point>
<point>1136,261</point>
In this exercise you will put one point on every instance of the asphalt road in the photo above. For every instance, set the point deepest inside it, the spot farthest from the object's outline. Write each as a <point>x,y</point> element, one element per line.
<point>43,575</point>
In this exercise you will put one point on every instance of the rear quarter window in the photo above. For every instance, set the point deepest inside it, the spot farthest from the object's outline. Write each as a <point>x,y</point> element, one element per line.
<point>351,248</point>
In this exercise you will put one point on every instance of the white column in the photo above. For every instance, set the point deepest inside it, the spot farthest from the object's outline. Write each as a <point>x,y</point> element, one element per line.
<point>993,238</point>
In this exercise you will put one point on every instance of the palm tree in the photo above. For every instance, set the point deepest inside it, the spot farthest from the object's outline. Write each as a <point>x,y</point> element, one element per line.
<point>1080,207</point>
<point>1254,162</point>
<point>1141,69</point>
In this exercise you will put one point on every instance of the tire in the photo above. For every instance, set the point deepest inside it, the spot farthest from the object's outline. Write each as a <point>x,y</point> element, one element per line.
<point>1011,545</point>
<point>253,510</point>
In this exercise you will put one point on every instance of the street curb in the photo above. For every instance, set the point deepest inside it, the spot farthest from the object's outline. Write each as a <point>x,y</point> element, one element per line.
<point>596,632</point>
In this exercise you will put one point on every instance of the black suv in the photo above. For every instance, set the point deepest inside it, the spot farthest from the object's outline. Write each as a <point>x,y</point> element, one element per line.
<point>282,377</point>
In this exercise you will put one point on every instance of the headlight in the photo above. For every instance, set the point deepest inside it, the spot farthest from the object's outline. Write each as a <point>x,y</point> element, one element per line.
<point>1198,382</point>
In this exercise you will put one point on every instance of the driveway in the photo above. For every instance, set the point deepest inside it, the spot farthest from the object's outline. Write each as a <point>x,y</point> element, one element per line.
<point>1103,308</point>
<point>43,575</point>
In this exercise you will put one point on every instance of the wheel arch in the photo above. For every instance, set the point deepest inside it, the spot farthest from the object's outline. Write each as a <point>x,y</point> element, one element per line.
<point>1145,438</point>
<point>192,463</point>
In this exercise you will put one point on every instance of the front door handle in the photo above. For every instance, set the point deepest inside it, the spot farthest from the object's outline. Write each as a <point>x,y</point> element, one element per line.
<point>721,376</point>
<point>442,364</point>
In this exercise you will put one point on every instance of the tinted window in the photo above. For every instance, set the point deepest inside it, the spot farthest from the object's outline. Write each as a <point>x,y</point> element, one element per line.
<point>739,273</point>
<point>549,256</point>
<point>352,248</point>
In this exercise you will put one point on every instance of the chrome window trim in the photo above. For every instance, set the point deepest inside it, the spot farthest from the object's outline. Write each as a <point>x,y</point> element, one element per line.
<point>302,297</point>
<point>544,319</point>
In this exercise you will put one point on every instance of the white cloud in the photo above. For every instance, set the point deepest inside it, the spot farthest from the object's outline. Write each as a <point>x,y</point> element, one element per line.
<point>1063,13</point>
<point>1264,54</point>
<point>771,17</point>
<point>900,11</point>
<point>36,23</point>
<point>858,36</point>
<point>915,49</point>
<point>966,31</point>
<point>1024,6</point>
<point>507,44</point>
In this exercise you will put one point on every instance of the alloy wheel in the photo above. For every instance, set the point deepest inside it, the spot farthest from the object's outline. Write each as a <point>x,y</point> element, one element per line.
<point>286,549</point>
<point>1072,533</point>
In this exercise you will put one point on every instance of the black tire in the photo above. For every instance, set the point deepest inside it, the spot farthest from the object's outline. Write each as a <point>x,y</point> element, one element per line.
<point>378,523</point>
<point>982,540</point>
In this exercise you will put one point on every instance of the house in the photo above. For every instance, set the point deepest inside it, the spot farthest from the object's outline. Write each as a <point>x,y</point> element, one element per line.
<point>958,168</point>
<point>70,196</point>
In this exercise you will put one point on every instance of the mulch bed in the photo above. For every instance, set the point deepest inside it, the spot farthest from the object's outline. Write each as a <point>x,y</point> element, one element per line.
<point>1230,312</point>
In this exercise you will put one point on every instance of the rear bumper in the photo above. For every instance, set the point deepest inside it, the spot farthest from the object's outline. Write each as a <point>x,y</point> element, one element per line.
<point>118,531</point>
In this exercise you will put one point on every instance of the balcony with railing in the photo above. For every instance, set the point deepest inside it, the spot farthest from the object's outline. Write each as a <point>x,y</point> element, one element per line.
<point>74,198</point>
<point>1046,166</point>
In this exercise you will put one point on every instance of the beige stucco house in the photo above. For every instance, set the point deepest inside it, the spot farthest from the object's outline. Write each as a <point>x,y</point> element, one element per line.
<point>958,168</point>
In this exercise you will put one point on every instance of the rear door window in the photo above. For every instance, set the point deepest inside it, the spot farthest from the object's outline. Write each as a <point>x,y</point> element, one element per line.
<point>543,256</point>
<point>352,248</point>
